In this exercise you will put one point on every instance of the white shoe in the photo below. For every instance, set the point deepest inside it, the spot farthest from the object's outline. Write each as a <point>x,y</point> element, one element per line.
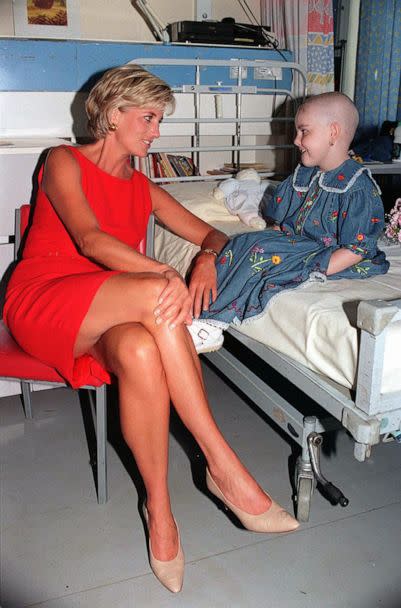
<point>207,338</point>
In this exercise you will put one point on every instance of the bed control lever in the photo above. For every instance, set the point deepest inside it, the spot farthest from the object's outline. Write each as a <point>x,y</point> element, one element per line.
<point>334,494</point>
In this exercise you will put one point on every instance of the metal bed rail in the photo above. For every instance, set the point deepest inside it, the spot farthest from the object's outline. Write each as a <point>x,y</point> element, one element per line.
<point>244,84</point>
<point>367,415</point>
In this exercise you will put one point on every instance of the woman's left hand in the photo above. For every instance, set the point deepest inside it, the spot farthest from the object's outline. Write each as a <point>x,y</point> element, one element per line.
<point>203,283</point>
<point>175,302</point>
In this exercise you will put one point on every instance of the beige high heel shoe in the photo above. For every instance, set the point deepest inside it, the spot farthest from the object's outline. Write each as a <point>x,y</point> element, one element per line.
<point>275,519</point>
<point>170,573</point>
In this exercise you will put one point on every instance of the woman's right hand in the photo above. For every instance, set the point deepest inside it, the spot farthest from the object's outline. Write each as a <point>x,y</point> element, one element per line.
<point>175,303</point>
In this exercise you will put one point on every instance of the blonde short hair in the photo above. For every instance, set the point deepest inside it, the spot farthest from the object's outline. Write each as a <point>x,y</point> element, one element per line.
<point>123,88</point>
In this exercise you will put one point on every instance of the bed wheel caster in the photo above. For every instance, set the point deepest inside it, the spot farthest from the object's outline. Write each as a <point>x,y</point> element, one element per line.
<point>304,496</point>
<point>308,473</point>
<point>332,493</point>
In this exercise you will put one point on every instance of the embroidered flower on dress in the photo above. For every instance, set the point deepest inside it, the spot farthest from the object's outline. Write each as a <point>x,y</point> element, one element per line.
<point>279,199</point>
<point>327,241</point>
<point>257,249</point>
<point>344,215</point>
<point>341,177</point>
<point>227,257</point>
<point>375,220</point>
<point>333,216</point>
<point>360,237</point>
<point>360,250</point>
<point>276,259</point>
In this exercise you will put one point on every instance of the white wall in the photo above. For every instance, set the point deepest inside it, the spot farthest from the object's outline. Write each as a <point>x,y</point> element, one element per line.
<point>119,20</point>
<point>349,29</point>
<point>6,18</point>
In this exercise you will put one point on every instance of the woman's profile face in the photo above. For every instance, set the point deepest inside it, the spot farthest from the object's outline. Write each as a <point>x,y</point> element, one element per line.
<point>137,128</point>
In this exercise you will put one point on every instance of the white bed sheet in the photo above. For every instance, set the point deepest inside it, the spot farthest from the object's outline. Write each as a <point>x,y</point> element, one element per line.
<point>316,325</point>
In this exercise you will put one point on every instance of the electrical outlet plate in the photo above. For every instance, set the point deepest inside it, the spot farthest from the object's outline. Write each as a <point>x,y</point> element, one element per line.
<point>267,73</point>
<point>234,73</point>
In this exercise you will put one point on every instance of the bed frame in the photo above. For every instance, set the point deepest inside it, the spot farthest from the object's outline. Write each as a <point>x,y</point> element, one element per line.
<point>242,78</point>
<point>365,413</point>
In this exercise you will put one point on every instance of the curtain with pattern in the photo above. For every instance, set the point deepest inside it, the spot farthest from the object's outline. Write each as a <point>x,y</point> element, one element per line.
<point>306,29</point>
<point>378,86</point>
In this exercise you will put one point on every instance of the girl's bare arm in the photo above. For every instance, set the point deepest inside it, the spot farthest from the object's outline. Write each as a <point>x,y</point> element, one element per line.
<point>341,259</point>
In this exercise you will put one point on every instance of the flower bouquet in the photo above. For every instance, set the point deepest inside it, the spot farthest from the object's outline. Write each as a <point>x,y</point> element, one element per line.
<point>392,231</point>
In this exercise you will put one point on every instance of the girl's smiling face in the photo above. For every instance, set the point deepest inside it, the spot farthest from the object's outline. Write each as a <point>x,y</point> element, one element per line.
<point>313,138</point>
<point>137,128</point>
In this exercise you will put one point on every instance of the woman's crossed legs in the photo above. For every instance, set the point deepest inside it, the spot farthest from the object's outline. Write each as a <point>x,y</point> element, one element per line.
<point>155,364</point>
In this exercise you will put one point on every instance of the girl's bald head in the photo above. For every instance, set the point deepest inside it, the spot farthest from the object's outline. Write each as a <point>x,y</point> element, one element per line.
<point>334,108</point>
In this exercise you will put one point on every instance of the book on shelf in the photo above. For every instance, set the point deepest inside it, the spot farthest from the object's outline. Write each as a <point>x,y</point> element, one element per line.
<point>176,165</point>
<point>162,164</point>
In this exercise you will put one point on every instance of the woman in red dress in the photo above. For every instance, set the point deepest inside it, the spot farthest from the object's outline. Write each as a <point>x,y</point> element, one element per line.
<point>86,302</point>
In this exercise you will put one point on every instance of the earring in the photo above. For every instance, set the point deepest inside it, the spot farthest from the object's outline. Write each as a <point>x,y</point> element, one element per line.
<point>113,126</point>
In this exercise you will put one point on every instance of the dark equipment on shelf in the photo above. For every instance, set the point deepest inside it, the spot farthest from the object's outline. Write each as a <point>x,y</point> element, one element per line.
<point>226,31</point>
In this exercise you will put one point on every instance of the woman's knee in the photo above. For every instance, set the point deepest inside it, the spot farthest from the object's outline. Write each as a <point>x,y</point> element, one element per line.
<point>152,286</point>
<point>133,347</point>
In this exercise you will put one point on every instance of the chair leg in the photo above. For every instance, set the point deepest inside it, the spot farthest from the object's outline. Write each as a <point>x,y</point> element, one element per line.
<point>26,399</point>
<point>101,444</point>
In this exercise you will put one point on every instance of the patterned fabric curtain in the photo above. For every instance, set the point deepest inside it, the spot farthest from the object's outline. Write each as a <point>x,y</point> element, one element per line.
<point>377,87</point>
<point>306,29</point>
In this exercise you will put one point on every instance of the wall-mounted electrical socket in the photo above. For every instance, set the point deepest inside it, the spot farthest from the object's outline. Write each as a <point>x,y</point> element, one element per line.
<point>234,72</point>
<point>267,73</point>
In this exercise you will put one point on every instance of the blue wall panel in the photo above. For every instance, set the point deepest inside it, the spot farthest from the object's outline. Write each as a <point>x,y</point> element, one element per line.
<point>37,65</point>
<point>43,65</point>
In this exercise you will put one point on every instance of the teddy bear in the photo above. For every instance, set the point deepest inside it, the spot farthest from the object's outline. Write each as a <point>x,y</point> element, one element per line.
<point>242,195</point>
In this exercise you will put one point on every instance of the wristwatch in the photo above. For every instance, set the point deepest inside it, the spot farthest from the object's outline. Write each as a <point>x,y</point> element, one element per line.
<point>209,250</point>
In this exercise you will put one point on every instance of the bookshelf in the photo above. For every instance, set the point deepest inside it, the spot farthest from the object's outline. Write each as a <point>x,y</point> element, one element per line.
<point>164,165</point>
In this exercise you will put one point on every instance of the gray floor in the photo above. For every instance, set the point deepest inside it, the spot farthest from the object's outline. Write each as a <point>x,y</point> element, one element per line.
<point>60,549</point>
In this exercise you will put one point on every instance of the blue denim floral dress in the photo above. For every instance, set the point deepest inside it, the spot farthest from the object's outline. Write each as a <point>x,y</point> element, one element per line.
<point>318,212</point>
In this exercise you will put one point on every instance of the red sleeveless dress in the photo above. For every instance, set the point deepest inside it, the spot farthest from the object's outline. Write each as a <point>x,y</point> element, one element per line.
<point>52,287</point>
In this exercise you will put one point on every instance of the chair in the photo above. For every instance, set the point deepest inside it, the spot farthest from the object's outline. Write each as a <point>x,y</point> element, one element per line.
<point>15,364</point>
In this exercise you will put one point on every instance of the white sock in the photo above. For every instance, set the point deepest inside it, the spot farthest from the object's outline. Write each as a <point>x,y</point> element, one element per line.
<point>202,323</point>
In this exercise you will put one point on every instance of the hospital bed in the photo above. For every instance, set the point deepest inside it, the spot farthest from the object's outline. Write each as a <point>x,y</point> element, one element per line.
<point>336,343</point>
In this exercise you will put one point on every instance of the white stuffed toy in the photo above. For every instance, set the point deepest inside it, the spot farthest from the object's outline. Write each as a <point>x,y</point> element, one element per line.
<point>242,196</point>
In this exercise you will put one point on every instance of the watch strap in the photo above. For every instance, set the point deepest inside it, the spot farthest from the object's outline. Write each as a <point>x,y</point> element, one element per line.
<point>209,250</point>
